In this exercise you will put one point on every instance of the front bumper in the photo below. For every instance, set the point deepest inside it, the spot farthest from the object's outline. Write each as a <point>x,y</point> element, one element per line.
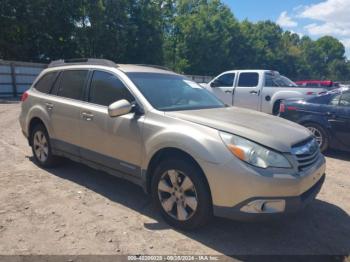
<point>292,204</point>
<point>236,184</point>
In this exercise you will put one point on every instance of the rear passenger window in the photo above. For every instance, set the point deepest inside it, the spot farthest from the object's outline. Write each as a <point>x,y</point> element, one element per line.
<point>106,89</point>
<point>72,84</point>
<point>45,82</point>
<point>248,79</point>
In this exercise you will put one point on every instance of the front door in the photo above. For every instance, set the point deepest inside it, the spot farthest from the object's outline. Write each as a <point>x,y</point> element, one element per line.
<point>222,87</point>
<point>247,91</point>
<point>114,142</point>
<point>343,119</point>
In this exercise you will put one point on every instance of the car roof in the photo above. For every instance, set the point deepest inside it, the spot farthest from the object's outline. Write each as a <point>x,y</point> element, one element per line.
<point>100,63</point>
<point>130,68</point>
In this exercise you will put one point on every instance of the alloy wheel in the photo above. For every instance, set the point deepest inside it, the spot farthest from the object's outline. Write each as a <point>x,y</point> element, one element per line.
<point>177,195</point>
<point>41,147</point>
<point>317,134</point>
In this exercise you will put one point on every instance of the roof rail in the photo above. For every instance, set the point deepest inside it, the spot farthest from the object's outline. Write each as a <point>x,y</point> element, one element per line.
<point>155,66</point>
<point>82,61</point>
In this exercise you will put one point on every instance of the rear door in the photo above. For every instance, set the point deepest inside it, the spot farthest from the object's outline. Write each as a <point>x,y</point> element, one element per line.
<point>247,91</point>
<point>114,142</point>
<point>65,110</point>
<point>222,87</point>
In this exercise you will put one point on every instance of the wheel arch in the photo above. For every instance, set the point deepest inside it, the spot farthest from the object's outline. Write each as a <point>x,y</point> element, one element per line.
<point>32,123</point>
<point>170,152</point>
<point>278,97</point>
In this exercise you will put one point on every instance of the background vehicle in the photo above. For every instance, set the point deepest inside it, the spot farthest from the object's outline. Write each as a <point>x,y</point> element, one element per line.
<point>326,116</point>
<point>169,135</point>
<point>317,83</point>
<point>260,90</point>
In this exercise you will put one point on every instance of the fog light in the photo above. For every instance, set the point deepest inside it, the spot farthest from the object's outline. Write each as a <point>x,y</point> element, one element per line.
<point>265,206</point>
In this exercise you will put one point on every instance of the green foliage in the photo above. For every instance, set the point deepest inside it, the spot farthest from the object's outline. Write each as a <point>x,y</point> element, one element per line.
<point>190,36</point>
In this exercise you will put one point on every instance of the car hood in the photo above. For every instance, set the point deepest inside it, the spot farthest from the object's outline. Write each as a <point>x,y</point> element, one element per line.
<point>267,130</point>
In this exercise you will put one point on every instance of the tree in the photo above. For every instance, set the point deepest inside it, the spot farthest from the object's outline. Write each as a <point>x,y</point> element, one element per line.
<point>205,37</point>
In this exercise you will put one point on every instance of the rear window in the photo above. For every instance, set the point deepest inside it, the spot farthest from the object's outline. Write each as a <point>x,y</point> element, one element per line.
<point>45,82</point>
<point>248,79</point>
<point>72,84</point>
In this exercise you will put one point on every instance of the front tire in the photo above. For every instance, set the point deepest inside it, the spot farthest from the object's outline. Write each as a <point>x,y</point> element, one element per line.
<point>41,147</point>
<point>181,193</point>
<point>320,135</point>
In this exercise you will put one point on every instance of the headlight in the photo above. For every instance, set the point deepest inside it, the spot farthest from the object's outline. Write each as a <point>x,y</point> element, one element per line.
<point>253,153</point>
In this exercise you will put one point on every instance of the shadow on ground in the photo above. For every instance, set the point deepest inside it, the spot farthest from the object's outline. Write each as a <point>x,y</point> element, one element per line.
<point>337,154</point>
<point>322,228</point>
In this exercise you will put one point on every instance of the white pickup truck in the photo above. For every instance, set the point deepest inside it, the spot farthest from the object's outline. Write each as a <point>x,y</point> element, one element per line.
<point>261,90</point>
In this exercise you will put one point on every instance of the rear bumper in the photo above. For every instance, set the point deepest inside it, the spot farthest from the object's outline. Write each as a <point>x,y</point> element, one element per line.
<point>292,205</point>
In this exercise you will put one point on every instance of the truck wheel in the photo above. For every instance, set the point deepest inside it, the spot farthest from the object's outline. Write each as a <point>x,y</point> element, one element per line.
<point>181,194</point>
<point>320,135</point>
<point>41,147</point>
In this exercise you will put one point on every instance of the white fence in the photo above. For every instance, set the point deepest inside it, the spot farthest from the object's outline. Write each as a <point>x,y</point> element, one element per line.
<point>16,77</point>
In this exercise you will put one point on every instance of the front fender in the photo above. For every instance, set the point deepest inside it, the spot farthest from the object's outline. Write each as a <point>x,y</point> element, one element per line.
<point>201,145</point>
<point>283,95</point>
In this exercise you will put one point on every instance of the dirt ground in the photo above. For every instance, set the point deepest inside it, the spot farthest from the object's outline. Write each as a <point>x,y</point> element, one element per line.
<point>76,210</point>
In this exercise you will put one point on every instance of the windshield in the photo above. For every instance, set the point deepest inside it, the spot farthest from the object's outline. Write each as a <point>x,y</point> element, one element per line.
<point>167,92</point>
<point>277,80</point>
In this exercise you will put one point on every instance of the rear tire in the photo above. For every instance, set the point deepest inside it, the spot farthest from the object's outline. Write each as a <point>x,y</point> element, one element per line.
<point>181,193</point>
<point>41,147</point>
<point>320,135</point>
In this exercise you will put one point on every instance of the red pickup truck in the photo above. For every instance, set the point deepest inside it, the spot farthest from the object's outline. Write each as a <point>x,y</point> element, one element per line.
<point>318,83</point>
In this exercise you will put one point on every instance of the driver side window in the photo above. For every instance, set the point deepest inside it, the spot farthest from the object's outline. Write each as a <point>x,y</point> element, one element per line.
<point>106,89</point>
<point>225,80</point>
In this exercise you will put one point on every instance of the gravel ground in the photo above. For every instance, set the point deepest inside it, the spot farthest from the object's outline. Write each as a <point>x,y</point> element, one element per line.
<point>76,210</point>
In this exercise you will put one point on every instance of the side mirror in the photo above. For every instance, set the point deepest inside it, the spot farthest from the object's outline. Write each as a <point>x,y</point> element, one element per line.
<point>214,84</point>
<point>119,108</point>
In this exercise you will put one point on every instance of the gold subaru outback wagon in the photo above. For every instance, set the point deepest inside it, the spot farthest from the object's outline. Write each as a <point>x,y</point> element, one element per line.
<point>193,154</point>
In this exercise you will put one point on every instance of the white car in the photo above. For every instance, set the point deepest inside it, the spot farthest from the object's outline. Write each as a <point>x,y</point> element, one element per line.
<point>261,90</point>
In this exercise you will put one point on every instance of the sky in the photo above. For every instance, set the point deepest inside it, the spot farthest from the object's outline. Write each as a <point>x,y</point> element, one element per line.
<point>314,18</point>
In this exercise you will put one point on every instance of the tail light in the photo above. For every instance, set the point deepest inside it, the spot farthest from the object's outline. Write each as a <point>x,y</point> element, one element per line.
<point>310,93</point>
<point>291,108</point>
<point>282,108</point>
<point>24,96</point>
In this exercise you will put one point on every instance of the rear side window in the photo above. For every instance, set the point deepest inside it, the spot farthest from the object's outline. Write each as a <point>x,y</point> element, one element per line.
<point>335,100</point>
<point>269,81</point>
<point>225,80</point>
<point>45,82</point>
<point>72,84</point>
<point>107,88</point>
<point>248,79</point>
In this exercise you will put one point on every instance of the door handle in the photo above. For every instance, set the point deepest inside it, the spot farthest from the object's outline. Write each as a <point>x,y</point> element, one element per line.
<point>228,92</point>
<point>331,114</point>
<point>254,92</point>
<point>49,106</point>
<point>87,116</point>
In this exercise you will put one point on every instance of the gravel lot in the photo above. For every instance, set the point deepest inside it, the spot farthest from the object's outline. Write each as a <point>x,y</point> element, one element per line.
<point>76,210</point>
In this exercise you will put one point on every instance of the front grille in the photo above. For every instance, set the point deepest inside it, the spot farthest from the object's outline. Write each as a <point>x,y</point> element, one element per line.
<point>306,153</point>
